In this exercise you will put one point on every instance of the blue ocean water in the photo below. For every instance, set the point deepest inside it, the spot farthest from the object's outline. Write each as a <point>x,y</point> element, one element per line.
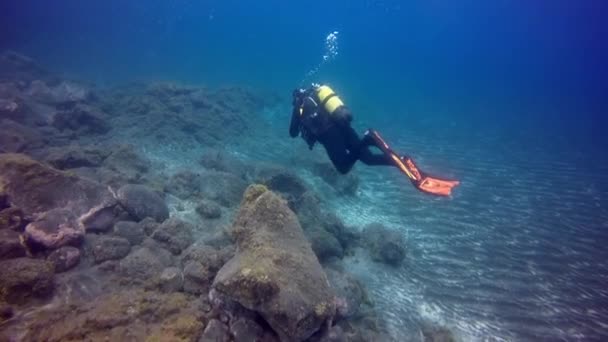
<point>507,96</point>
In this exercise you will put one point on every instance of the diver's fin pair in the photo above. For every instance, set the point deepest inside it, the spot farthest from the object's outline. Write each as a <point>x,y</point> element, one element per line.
<point>421,180</point>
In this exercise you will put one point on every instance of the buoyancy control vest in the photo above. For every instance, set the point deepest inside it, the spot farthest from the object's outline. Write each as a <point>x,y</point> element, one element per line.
<point>321,108</point>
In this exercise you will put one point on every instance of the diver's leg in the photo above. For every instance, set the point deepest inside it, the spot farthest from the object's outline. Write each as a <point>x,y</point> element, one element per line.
<point>337,146</point>
<point>361,146</point>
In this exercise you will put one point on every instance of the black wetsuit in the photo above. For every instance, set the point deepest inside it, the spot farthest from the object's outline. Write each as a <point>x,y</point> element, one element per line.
<point>342,143</point>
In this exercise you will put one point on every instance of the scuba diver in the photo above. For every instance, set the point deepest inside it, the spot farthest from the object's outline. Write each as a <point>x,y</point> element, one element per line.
<point>319,115</point>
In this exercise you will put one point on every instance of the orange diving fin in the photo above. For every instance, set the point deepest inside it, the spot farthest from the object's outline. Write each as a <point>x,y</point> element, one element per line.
<point>422,181</point>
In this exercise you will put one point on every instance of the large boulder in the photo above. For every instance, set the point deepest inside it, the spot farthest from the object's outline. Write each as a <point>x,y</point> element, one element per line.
<point>25,278</point>
<point>274,271</point>
<point>141,202</point>
<point>61,204</point>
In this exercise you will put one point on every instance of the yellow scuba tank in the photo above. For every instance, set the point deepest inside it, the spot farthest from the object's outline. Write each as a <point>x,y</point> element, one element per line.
<point>329,99</point>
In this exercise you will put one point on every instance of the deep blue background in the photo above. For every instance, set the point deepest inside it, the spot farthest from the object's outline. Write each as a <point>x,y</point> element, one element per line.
<point>477,58</point>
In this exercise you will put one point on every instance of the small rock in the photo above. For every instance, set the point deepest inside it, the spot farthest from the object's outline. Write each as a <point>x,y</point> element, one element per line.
<point>4,202</point>
<point>129,230</point>
<point>436,333</point>
<point>141,267</point>
<point>209,209</point>
<point>349,292</point>
<point>149,225</point>
<point>64,258</point>
<point>385,245</point>
<point>99,219</point>
<point>24,278</point>
<point>6,312</point>
<point>215,331</point>
<point>12,218</point>
<point>343,184</point>
<point>246,330</point>
<point>125,160</point>
<point>55,228</point>
<point>282,181</point>
<point>197,278</point>
<point>174,234</point>
<point>10,245</point>
<point>222,187</point>
<point>110,248</point>
<point>141,202</point>
<point>324,244</point>
<point>184,184</point>
<point>171,279</point>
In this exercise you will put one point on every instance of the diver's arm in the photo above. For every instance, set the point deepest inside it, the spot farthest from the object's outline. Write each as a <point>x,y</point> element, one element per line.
<point>294,126</point>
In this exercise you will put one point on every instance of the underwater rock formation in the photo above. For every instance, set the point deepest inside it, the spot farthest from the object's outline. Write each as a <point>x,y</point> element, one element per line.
<point>223,187</point>
<point>201,264</point>
<point>81,120</point>
<point>184,184</point>
<point>208,209</point>
<point>274,271</point>
<point>221,160</point>
<point>132,231</point>
<point>64,258</point>
<point>195,116</point>
<point>75,156</point>
<point>142,267</point>
<point>385,245</point>
<point>35,187</point>
<point>343,184</point>
<point>12,218</point>
<point>130,315</point>
<point>10,245</point>
<point>349,292</point>
<point>24,278</point>
<point>17,138</point>
<point>55,228</point>
<point>174,234</point>
<point>141,202</point>
<point>109,248</point>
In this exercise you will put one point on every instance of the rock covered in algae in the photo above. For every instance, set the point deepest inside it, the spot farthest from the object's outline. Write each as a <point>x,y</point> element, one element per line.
<point>130,315</point>
<point>35,187</point>
<point>141,202</point>
<point>274,271</point>
<point>62,205</point>
<point>24,278</point>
